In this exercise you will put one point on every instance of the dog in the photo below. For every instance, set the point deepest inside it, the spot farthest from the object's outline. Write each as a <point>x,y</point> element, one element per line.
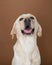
<point>26,51</point>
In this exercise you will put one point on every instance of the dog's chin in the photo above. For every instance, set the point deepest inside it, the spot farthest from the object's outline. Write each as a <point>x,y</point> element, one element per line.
<point>28,31</point>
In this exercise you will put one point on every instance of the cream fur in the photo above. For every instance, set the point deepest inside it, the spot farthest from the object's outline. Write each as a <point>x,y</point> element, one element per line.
<point>26,51</point>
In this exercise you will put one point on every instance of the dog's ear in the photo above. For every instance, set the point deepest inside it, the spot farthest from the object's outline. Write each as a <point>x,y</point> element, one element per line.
<point>39,31</point>
<point>13,31</point>
<point>38,28</point>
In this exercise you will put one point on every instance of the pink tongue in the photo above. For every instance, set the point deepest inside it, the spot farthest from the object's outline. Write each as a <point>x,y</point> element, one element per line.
<point>28,31</point>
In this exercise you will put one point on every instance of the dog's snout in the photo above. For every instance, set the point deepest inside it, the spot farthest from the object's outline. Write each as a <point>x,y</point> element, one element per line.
<point>27,23</point>
<point>27,27</point>
<point>27,20</point>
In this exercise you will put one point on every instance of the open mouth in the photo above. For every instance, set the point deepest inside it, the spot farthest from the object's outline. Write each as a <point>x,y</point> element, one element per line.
<point>28,31</point>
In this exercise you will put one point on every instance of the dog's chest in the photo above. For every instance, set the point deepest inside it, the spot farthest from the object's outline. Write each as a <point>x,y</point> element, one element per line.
<point>28,44</point>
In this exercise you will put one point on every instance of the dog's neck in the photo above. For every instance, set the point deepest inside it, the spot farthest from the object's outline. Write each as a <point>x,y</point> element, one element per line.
<point>27,39</point>
<point>28,43</point>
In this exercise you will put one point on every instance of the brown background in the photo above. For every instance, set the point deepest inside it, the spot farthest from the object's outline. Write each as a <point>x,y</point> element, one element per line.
<point>9,11</point>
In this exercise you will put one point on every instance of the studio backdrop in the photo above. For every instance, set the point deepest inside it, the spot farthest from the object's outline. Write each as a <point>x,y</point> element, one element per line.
<point>9,11</point>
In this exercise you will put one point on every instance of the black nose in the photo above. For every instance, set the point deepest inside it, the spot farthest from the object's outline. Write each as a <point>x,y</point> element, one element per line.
<point>27,20</point>
<point>27,23</point>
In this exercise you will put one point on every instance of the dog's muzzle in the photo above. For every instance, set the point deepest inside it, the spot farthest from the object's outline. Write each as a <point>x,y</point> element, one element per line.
<point>27,30</point>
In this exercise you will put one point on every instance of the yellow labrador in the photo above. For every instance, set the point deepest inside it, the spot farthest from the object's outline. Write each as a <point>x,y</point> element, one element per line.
<point>26,51</point>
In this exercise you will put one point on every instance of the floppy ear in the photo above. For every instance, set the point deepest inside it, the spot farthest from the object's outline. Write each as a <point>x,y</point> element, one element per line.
<point>13,31</point>
<point>39,31</point>
<point>38,28</point>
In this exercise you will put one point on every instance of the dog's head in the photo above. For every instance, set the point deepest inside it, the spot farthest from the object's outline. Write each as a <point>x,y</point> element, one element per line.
<point>26,24</point>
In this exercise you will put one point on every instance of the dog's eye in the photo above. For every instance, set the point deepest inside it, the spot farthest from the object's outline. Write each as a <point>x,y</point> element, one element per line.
<point>31,17</point>
<point>21,19</point>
